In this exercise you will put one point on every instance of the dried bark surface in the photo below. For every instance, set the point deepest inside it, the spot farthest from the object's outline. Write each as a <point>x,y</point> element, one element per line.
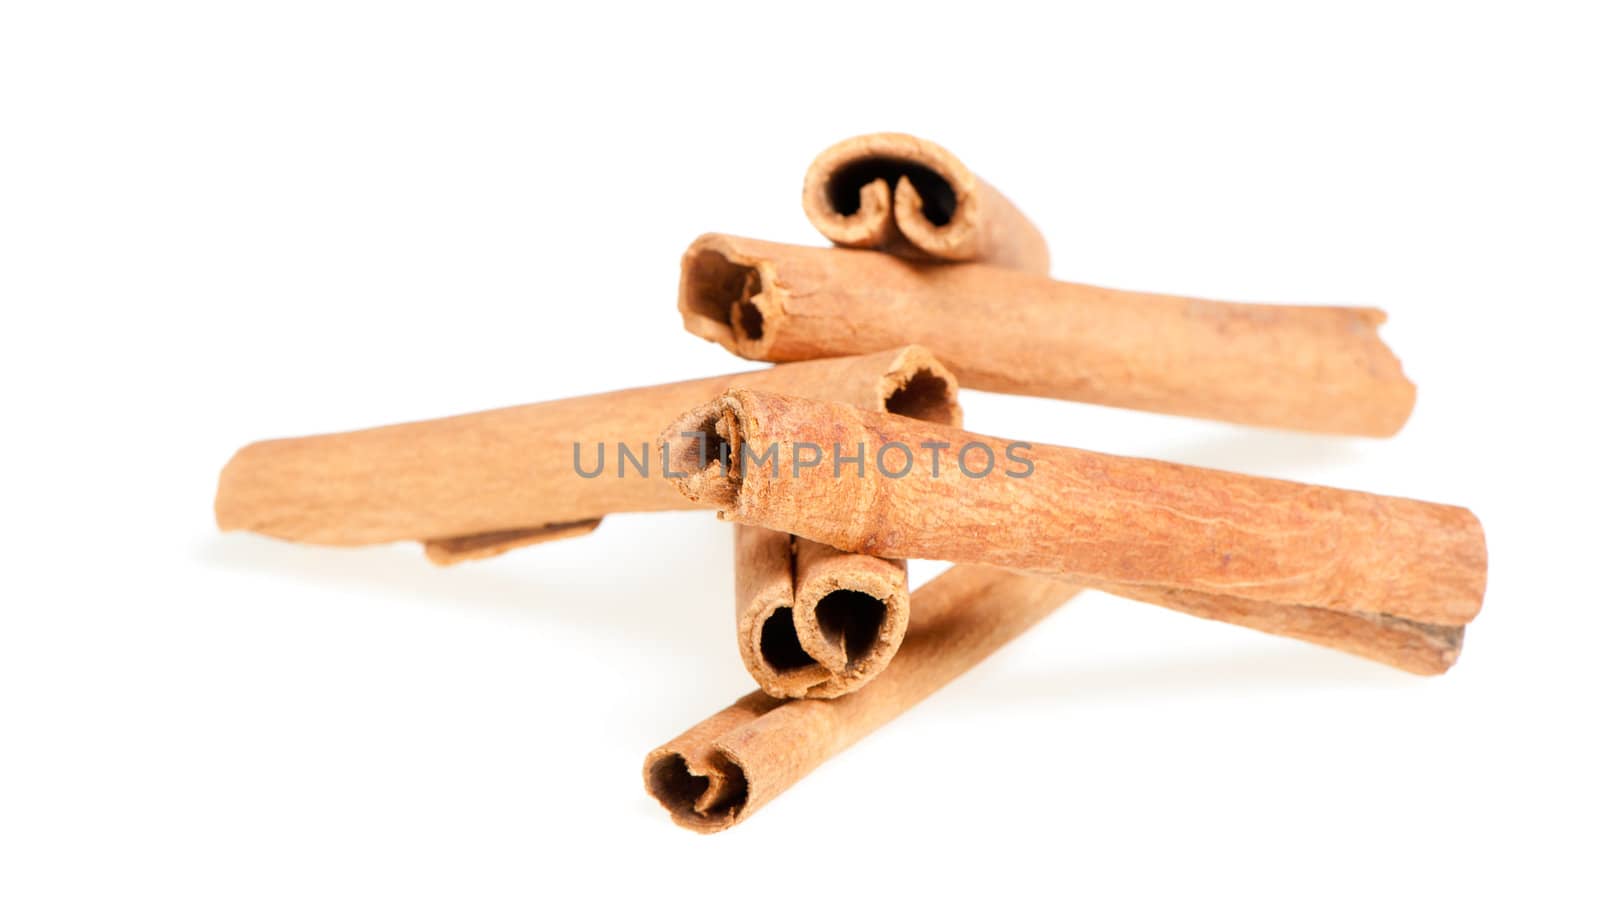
<point>734,762</point>
<point>478,484</point>
<point>815,623</point>
<point>912,198</point>
<point>1314,368</point>
<point>1282,557</point>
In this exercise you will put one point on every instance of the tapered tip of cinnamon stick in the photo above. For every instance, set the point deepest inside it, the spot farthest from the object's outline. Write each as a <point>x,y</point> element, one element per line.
<point>894,192</point>
<point>233,507</point>
<point>1385,411</point>
<point>276,487</point>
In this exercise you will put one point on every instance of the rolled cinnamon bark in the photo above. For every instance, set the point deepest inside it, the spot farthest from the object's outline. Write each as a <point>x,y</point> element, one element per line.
<point>815,622</point>
<point>910,197</point>
<point>731,764</point>
<point>479,484</point>
<point>1248,550</point>
<point>1315,368</point>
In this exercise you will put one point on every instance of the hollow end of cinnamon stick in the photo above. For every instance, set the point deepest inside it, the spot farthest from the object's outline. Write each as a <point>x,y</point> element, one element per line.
<point>728,296</point>
<point>703,445</point>
<point>848,629</point>
<point>815,622</point>
<point>918,386</point>
<point>869,191</point>
<point>702,454</point>
<point>702,786</point>
<point>849,636</point>
<point>777,660</point>
<point>769,641</point>
<point>850,615</point>
<point>912,197</point>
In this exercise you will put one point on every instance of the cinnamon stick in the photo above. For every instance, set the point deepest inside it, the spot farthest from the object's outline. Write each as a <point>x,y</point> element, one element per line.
<point>1248,550</point>
<point>1424,648</point>
<point>723,769</point>
<point>813,621</point>
<point>1315,368</point>
<point>911,197</point>
<point>479,484</point>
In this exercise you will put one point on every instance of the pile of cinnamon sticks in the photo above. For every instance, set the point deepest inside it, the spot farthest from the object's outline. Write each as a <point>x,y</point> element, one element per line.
<point>849,457</point>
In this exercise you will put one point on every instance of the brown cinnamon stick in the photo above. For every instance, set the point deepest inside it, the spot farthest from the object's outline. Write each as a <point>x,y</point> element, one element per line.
<point>1321,369</point>
<point>723,769</point>
<point>479,484</point>
<point>910,197</point>
<point>1423,648</point>
<point>815,622</point>
<point>1248,550</point>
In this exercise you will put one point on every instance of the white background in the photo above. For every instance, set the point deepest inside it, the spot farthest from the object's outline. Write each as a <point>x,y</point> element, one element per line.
<point>225,222</point>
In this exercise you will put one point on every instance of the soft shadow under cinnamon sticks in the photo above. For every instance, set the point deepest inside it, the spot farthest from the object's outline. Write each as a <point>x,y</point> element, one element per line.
<point>910,197</point>
<point>1379,576</point>
<point>723,769</point>
<point>1315,368</point>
